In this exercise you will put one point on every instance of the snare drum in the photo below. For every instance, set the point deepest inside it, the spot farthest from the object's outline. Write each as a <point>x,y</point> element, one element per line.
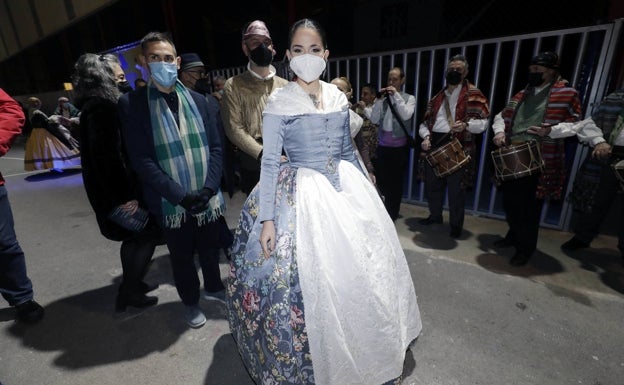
<point>517,161</point>
<point>618,168</point>
<point>448,158</point>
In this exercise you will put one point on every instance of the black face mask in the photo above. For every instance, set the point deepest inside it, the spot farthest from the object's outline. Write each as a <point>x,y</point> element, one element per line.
<point>124,87</point>
<point>202,85</point>
<point>261,55</point>
<point>453,78</point>
<point>535,79</point>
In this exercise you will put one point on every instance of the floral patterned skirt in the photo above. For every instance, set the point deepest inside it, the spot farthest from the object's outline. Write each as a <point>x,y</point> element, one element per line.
<point>265,296</point>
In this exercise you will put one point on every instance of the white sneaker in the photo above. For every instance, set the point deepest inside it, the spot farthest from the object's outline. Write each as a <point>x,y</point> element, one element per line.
<point>215,296</point>
<point>195,318</point>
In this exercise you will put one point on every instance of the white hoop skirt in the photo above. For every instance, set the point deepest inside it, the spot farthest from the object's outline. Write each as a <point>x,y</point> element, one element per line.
<point>335,303</point>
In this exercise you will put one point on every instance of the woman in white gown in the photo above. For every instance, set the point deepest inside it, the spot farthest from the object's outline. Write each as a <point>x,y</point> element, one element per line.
<point>319,289</point>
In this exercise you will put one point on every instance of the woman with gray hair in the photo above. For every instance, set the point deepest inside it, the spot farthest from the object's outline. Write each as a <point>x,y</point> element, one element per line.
<point>110,184</point>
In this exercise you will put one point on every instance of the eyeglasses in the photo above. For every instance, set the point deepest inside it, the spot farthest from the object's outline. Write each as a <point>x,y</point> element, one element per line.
<point>199,73</point>
<point>154,58</point>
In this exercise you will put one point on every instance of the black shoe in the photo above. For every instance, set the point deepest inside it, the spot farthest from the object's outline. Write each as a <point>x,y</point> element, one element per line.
<point>146,287</point>
<point>455,232</point>
<point>29,312</point>
<point>574,244</point>
<point>137,300</point>
<point>503,243</point>
<point>519,259</point>
<point>429,220</point>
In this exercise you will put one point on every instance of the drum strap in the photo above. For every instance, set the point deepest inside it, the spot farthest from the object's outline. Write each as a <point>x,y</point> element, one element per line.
<point>449,118</point>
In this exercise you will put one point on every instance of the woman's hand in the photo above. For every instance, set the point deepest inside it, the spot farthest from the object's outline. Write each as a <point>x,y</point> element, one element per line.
<point>267,238</point>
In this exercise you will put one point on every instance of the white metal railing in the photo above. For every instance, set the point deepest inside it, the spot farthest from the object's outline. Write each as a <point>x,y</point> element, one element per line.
<point>498,67</point>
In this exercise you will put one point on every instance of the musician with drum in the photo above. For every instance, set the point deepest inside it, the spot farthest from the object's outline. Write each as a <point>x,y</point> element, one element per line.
<point>600,179</point>
<point>529,164</point>
<point>453,116</point>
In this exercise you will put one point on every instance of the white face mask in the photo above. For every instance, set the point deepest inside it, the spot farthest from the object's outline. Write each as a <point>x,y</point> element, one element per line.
<point>307,67</point>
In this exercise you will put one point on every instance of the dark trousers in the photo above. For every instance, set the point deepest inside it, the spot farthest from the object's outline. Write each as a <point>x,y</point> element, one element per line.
<point>588,224</point>
<point>15,286</point>
<point>182,244</point>
<point>434,189</point>
<point>390,167</point>
<point>209,263</point>
<point>249,172</point>
<point>136,254</point>
<point>522,212</point>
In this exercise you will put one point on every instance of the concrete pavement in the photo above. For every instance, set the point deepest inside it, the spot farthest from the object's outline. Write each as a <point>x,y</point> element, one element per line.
<point>556,321</point>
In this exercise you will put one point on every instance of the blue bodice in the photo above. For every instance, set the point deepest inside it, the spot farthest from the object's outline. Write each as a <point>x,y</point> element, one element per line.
<point>315,141</point>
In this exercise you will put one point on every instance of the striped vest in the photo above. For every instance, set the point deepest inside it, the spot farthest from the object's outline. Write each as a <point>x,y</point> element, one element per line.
<point>563,105</point>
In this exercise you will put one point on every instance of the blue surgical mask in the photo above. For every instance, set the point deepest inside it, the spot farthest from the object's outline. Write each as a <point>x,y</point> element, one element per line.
<point>163,73</point>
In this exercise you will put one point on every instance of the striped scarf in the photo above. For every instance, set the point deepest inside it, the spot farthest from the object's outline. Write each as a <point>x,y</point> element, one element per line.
<point>182,153</point>
<point>563,105</point>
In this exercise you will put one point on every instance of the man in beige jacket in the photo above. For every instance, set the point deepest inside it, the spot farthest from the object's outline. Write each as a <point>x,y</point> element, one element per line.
<point>244,98</point>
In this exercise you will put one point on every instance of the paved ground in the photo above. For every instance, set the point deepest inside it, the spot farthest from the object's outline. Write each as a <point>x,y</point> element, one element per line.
<point>556,321</point>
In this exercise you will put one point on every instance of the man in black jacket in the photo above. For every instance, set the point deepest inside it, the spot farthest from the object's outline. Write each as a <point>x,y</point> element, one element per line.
<point>173,144</point>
